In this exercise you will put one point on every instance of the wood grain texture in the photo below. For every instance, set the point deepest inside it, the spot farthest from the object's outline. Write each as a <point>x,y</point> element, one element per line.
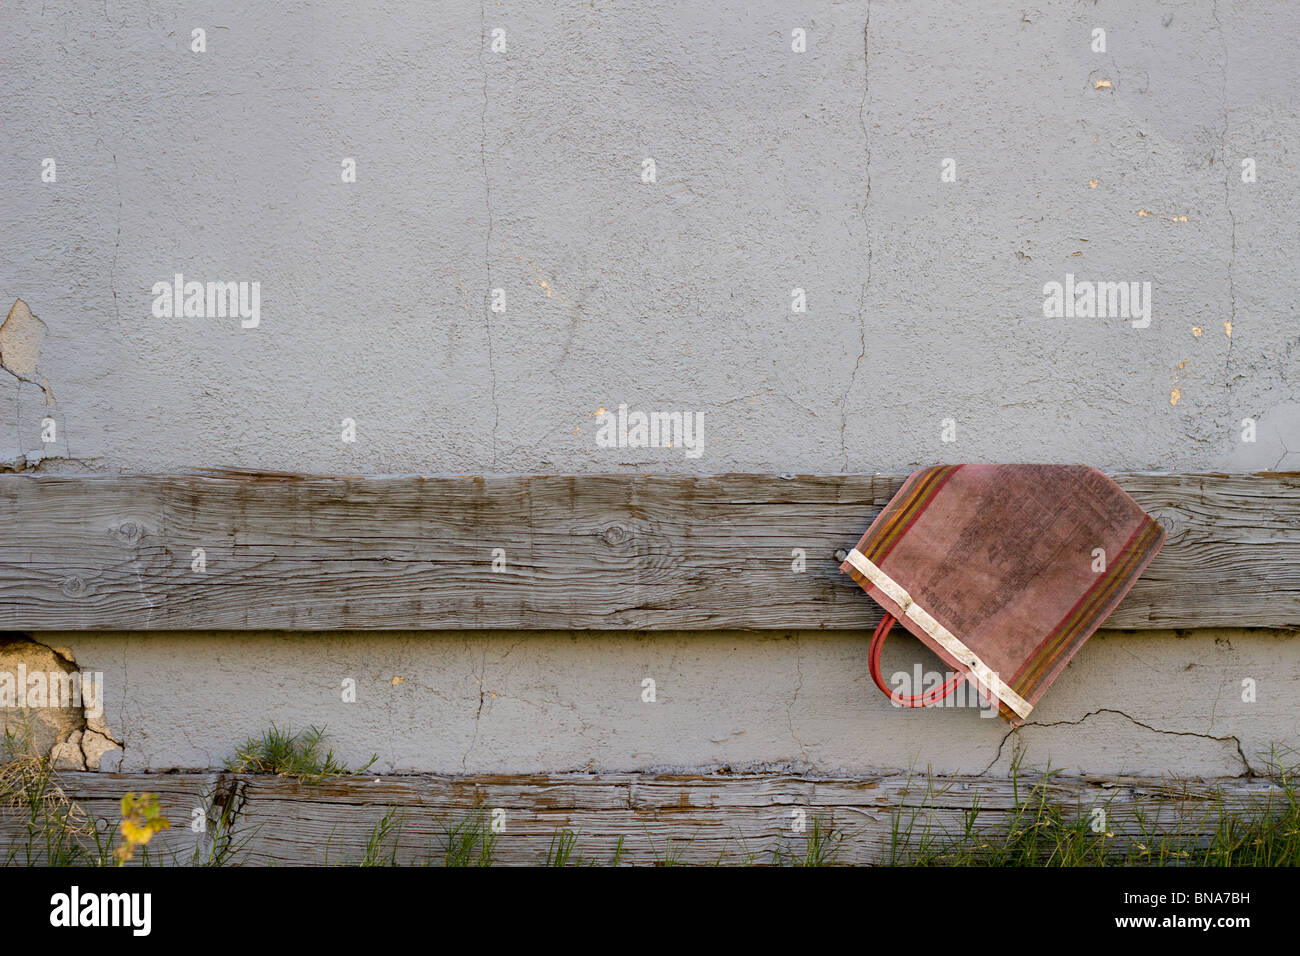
<point>706,818</point>
<point>601,552</point>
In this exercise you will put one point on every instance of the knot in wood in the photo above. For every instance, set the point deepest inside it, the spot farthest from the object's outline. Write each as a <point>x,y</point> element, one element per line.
<point>615,535</point>
<point>1167,521</point>
<point>128,530</point>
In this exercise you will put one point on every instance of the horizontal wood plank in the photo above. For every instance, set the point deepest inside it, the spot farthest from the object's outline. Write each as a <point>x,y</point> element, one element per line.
<point>597,551</point>
<point>704,818</point>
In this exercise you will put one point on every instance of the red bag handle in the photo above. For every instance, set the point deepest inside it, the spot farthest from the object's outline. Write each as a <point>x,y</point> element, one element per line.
<point>915,700</point>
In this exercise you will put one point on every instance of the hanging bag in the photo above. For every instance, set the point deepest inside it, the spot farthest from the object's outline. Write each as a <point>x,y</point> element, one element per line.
<point>1004,571</point>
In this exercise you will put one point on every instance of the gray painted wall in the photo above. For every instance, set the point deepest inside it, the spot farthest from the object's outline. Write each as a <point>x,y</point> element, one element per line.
<point>522,170</point>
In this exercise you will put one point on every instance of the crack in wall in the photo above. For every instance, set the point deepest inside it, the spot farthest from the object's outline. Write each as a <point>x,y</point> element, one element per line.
<point>1285,450</point>
<point>485,695</point>
<point>789,716</point>
<point>117,241</point>
<point>478,713</point>
<point>1227,204</point>
<point>487,240</point>
<point>866,285</point>
<point>21,335</point>
<point>1236,741</point>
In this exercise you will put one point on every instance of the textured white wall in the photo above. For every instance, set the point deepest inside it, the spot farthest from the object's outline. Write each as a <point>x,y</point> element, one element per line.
<point>521,170</point>
<point>497,702</point>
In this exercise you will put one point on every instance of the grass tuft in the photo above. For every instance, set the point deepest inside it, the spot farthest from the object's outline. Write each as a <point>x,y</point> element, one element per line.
<point>673,854</point>
<point>53,829</point>
<point>292,755</point>
<point>563,843</point>
<point>381,842</point>
<point>1038,831</point>
<point>1168,827</point>
<point>822,847</point>
<point>469,841</point>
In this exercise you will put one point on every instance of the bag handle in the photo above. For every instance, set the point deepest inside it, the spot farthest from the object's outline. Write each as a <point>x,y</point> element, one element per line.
<point>915,700</point>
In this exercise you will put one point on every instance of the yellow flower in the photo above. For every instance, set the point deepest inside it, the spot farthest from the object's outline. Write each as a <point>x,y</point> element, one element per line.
<point>141,819</point>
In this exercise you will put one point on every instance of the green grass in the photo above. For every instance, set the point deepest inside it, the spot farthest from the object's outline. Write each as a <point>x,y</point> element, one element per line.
<point>1174,827</point>
<point>224,845</point>
<point>469,841</point>
<point>822,847</point>
<point>381,841</point>
<point>673,852</point>
<point>1037,831</point>
<point>297,756</point>
<point>563,843</point>
<point>52,829</point>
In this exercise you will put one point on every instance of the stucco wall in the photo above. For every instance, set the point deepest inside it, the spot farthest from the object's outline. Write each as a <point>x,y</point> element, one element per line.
<point>508,702</point>
<point>775,170</point>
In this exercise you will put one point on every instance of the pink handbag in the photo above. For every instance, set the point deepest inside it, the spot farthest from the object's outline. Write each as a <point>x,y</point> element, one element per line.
<point>1003,571</point>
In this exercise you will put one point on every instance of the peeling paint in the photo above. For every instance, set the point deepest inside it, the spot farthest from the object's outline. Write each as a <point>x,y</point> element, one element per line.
<point>21,337</point>
<point>1144,213</point>
<point>72,738</point>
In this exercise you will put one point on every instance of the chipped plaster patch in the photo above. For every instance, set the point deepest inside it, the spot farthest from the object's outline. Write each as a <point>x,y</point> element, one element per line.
<point>21,337</point>
<point>73,739</point>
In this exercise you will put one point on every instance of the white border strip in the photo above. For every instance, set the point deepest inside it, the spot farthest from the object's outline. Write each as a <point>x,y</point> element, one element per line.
<point>944,637</point>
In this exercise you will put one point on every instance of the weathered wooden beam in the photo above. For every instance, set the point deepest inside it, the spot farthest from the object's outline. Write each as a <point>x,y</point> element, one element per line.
<point>600,551</point>
<point>702,818</point>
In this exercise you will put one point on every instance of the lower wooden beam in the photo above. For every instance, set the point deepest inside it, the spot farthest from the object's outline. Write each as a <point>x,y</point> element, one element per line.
<point>695,818</point>
<point>242,550</point>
